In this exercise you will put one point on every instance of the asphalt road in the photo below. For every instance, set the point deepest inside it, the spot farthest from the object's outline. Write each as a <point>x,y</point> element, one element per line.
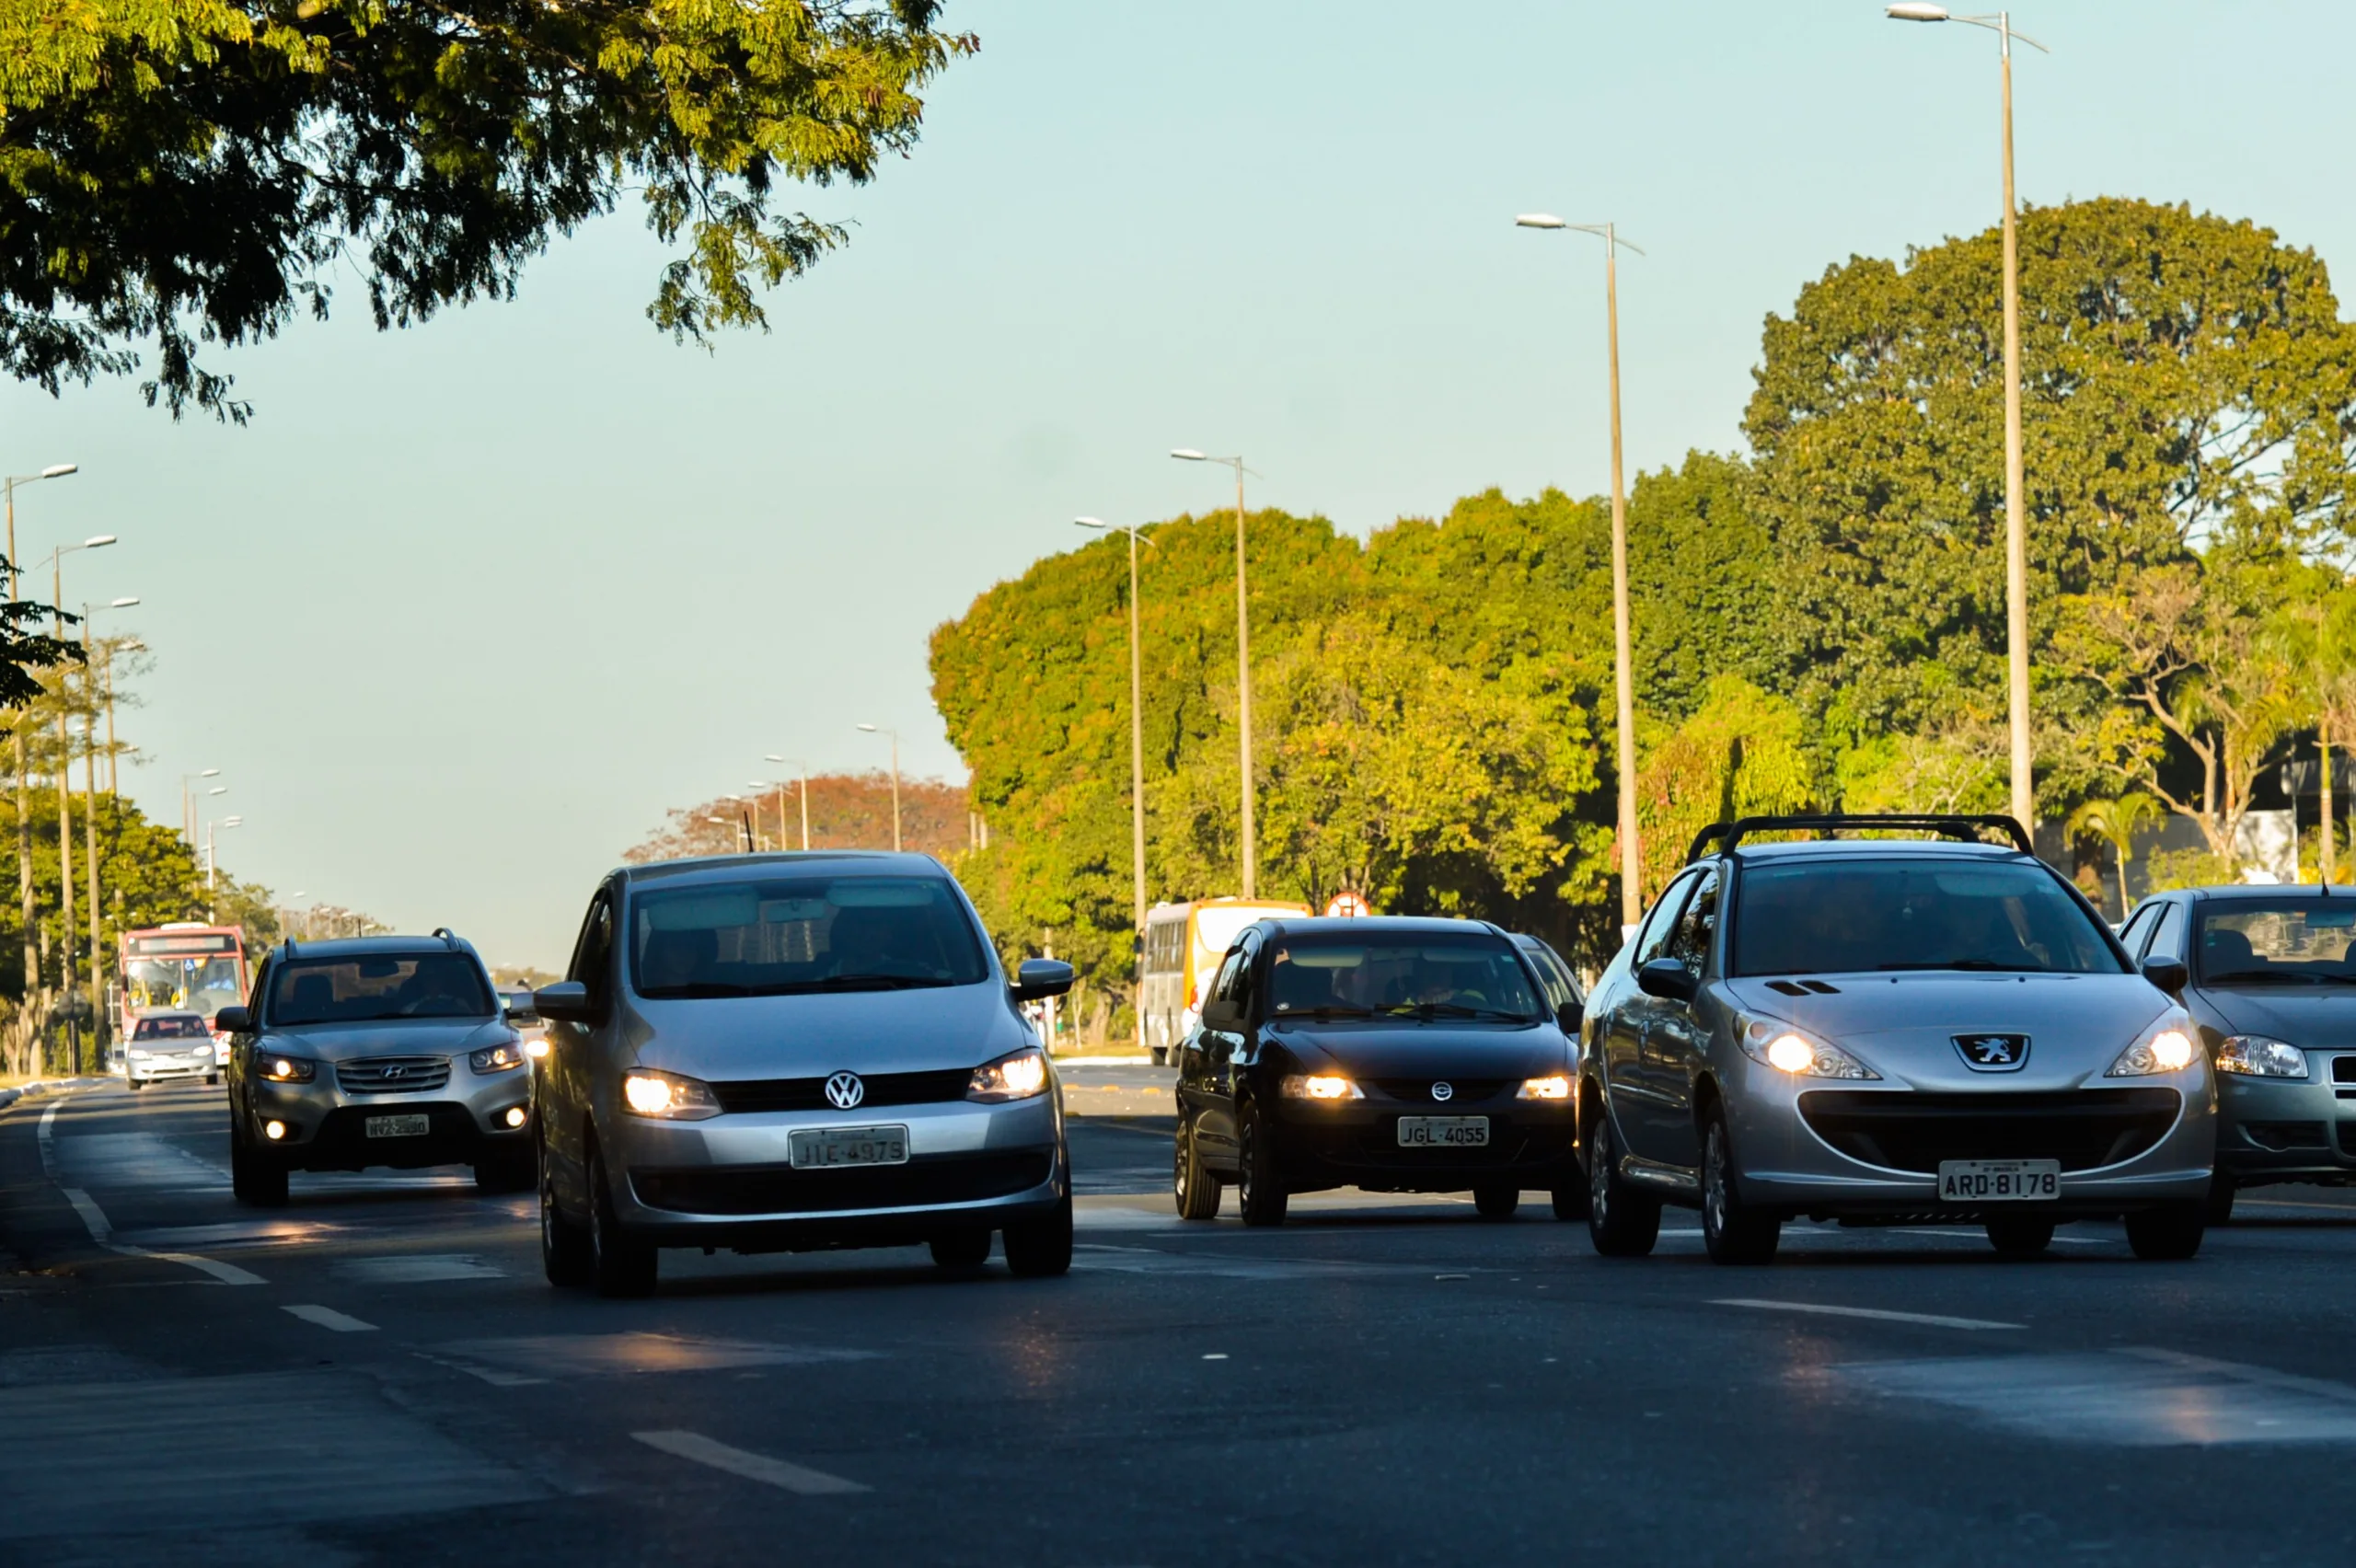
<point>377,1374</point>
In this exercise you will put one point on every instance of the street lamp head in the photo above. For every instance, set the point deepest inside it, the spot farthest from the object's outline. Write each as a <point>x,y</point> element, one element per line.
<point>869,729</point>
<point>210,773</point>
<point>1091,523</point>
<point>1908,12</point>
<point>218,789</point>
<point>58,470</point>
<point>124,604</point>
<point>1188,454</point>
<point>98,541</point>
<point>1539,220</point>
<point>233,822</point>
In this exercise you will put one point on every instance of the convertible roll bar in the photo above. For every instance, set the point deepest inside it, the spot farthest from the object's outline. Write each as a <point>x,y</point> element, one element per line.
<point>1971,829</point>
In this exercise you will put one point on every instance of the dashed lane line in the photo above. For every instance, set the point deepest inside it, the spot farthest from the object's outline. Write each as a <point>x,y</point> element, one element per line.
<point>1932,1319</point>
<point>93,1219</point>
<point>328,1318</point>
<point>779,1473</point>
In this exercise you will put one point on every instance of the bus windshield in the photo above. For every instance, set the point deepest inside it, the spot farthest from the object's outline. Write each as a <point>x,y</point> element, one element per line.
<point>197,984</point>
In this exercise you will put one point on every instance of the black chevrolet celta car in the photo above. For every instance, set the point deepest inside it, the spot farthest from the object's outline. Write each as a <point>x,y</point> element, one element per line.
<point>1397,1056</point>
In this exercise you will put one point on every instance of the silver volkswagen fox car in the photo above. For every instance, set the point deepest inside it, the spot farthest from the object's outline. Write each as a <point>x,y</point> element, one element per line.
<point>378,1050</point>
<point>783,1053</point>
<point>1884,1031</point>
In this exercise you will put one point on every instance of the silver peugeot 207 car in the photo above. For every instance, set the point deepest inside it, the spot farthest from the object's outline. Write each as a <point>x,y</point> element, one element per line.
<point>794,1052</point>
<point>1888,1031</point>
<point>375,1052</point>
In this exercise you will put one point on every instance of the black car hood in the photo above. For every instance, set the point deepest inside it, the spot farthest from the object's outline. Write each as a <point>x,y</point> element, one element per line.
<point>1440,1048</point>
<point>2320,1018</point>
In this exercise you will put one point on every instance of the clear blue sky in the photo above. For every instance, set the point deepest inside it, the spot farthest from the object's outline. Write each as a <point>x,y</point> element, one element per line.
<point>469,606</point>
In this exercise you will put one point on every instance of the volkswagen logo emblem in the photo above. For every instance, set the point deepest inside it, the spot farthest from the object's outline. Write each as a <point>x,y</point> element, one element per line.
<point>1443,1091</point>
<point>844,1091</point>
<point>1992,1053</point>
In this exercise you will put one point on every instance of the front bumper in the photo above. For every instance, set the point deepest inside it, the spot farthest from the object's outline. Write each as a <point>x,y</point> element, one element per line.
<point>1355,1143</point>
<point>325,1128</point>
<point>2287,1130</point>
<point>165,1067</point>
<point>729,1180</point>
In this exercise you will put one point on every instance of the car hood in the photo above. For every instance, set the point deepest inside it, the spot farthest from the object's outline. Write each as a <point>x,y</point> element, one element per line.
<point>726,1038</point>
<point>1430,1049</point>
<point>2320,1019</point>
<point>1903,1026</point>
<point>391,1037</point>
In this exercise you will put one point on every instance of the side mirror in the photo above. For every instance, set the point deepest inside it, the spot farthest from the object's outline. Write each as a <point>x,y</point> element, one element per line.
<point>1569,1017</point>
<point>1669,980</point>
<point>2169,974</point>
<point>1037,978</point>
<point>567,1000</point>
<point>234,1021</point>
<point>1222,1014</point>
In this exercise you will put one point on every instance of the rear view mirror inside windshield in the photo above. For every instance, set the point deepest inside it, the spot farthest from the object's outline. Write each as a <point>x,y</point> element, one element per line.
<point>879,893</point>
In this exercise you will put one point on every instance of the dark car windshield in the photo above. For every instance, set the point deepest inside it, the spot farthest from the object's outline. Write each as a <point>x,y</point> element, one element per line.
<point>2303,942</point>
<point>1846,915</point>
<point>774,936</point>
<point>185,1028</point>
<point>364,990</point>
<point>1439,976</point>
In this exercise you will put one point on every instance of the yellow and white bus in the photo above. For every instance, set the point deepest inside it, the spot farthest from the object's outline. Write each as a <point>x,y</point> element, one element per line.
<point>1184,944</point>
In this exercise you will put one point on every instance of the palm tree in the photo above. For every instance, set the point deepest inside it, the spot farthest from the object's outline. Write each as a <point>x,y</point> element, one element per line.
<point>2117,823</point>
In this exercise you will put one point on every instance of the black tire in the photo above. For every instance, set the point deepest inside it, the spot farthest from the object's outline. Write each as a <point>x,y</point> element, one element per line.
<point>623,1265</point>
<point>1570,1196</point>
<point>1161,1055</point>
<point>968,1249</point>
<point>2167,1235</point>
<point>1622,1223</point>
<point>213,1080</point>
<point>1192,1186</point>
<point>1041,1249</point>
<point>1732,1231</point>
<point>506,1167</point>
<point>1259,1190</point>
<point>1496,1200</point>
<point>2020,1236</point>
<point>256,1179</point>
<point>565,1257</point>
<point>133,1084</point>
<point>2219,1210</point>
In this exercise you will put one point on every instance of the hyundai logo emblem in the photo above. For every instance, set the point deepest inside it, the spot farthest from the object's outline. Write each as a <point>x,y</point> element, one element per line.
<point>396,1072</point>
<point>1994,1052</point>
<point>844,1091</point>
<point>1443,1091</point>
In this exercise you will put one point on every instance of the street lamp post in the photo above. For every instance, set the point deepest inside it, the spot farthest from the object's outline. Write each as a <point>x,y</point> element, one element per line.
<point>211,866</point>
<point>1632,861</point>
<point>1242,669</point>
<point>2015,502</point>
<point>65,753</point>
<point>188,807</point>
<point>114,751</point>
<point>804,769</point>
<point>90,804</point>
<point>1137,764</point>
<point>24,821</point>
<point>887,730</point>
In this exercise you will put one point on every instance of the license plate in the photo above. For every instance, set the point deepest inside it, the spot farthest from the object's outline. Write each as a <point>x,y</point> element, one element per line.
<point>1443,1132</point>
<point>400,1126</point>
<point>847,1146</point>
<point>1999,1181</point>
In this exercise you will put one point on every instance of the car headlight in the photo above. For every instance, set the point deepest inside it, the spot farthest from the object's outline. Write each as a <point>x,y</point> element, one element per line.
<point>2165,1048</point>
<point>1318,1086</point>
<point>647,1091</point>
<point>496,1059</point>
<point>1017,1076</point>
<point>272,1067</point>
<point>1558,1086</point>
<point>1798,1052</point>
<point>2255,1056</point>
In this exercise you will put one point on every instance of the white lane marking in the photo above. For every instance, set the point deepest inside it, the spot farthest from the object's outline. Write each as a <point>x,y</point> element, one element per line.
<point>48,1142</point>
<point>1933,1320</point>
<point>2241,1372</point>
<point>101,1229</point>
<point>752,1467</point>
<point>2134,1398</point>
<point>421,1269</point>
<point>328,1318</point>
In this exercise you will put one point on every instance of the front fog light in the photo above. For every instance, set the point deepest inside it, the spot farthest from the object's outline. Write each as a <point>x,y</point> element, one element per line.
<point>1788,1051</point>
<point>274,1131</point>
<point>516,1116</point>
<point>1321,1086</point>
<point>669,1096</point>
<point>2255,1056</point>
<point>2165,1049</point>
<point>1018,1076</point>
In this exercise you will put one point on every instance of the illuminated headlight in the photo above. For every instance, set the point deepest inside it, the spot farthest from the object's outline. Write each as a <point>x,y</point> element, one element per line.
<point>1018,1076</point>
<point>1321,1086</point>
<point>1556,1088</point>
<point>535,1049</point>
<point>272,1067</point>
<point>2255,1056</point>
<point>496,1059</point>
<point>1796,1052</point>
<point>2165,1048</point>
<point>669,1096</point>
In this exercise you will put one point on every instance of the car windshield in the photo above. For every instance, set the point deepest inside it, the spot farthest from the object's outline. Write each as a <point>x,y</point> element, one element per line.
<point>1442,975</point>
<point>389,985</point>
<point>170,1029</point>
<point>775,936</point>
<point>2302,941</point>
<point>1848,915</point>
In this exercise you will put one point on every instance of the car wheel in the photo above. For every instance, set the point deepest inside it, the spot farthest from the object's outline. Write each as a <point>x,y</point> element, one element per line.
<point>1041,1249</point>
<point>256,1179</point>
<point>564,1243</point>
<point>1195,1188</point>
<point>506,1167</point>
<point>1496,1200</point>
<point>2219,1210</point>
<point>1259,1191</point>
<point>1621,1224</point>
<point>968,1249</point>
<point>1160,1055</point>
<point>1570,1194</point>
<point>622,1264</point>
<point>2167,1235</point>
<point>1732,1230</point>
<point>213,1080</point>
<point>2018,1236</point>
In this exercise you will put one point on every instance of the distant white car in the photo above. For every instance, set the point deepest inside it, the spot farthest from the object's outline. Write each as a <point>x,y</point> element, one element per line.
<point>164,1046</point>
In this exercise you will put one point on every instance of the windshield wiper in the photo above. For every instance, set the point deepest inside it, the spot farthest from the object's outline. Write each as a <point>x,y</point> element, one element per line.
<point>1329,1009</point>
<point>1457,1009</point>
<point>2278,977</point>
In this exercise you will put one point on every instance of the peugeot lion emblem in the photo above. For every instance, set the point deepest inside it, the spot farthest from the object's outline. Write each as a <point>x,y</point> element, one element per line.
<point>1443,1091</point>
<point>844,1091</point>
<point>1992,1053</point>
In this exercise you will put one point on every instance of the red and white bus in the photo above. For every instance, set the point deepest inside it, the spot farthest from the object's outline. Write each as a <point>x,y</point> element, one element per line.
<point>182,967</point>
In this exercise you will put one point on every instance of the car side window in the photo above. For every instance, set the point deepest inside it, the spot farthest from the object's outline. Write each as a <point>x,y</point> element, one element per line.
<point>1223,983</point>
<point>262,989</point>
<point>2168,938</point>
<point>2138,930</point>
<point>1697,924</point>
<point>593,954</point>
<point>1246,978</point>
<point>1661,924</point>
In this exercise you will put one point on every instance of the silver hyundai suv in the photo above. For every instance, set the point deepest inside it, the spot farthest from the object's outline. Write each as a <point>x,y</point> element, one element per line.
<point>378,1051</point>
<point>783,1053</point>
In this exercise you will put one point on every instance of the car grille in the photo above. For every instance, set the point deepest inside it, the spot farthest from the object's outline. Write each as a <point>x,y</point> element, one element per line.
<point>1419,1089</point>
<point>779,1189</point>
<point>2344,1070</point>
<point>1915,1130</point>
<point>392,1075</point>
<point>810,1093</point>
<point>2283,1136</point>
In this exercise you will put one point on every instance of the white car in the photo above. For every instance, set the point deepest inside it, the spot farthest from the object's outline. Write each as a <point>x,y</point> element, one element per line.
<point>166,1046</point>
